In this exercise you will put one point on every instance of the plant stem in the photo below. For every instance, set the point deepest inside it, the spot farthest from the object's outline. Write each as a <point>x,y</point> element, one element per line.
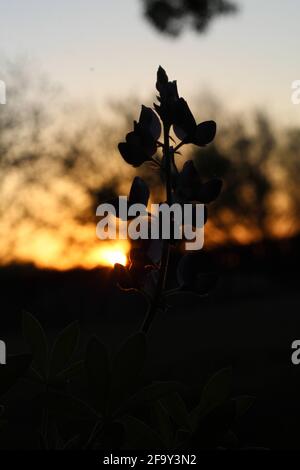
<point>178,146</point>
<point>155,305</point>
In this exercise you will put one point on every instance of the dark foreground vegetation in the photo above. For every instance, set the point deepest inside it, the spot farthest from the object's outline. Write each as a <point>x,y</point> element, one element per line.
<point>245,330</point>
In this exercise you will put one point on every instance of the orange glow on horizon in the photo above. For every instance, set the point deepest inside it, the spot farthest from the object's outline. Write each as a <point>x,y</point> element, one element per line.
<point>48,249</point>
<point>53,249</point>
<point>110,255</point>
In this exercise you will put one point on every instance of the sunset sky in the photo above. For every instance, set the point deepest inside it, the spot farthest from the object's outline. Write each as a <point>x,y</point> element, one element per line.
<point>98,48</point>
<point>99,51</point>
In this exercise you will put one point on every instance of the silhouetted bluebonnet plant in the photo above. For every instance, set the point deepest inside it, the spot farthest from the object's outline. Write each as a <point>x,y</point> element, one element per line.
<point>104,401</point>
<point>147,270</point>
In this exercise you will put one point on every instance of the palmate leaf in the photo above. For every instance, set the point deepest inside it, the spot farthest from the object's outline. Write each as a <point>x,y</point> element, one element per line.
<point>51,439</point>
<point>140,436</point>
<point>148,395</point>
<point>72,443</point>
<point>242,404</point>
<point>217,389</point>
<point>215,393</point>
<point>33,375</point>
<point>111,436</point>
<point>177,410</point>
<point>127,366</point>
<point>15,368</point>
<point>209,433</point>
<point>64,347</point>
<point>98,373</point>
<point>35,337</point>
<point>74,370</point>
<point>65,405</point>
<point>164,424</point>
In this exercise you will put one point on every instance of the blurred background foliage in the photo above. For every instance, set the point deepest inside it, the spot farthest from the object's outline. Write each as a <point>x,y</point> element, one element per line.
<point>59,160</point>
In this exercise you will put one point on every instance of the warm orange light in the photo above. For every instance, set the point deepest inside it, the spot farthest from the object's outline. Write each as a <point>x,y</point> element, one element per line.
<point>110,255</point>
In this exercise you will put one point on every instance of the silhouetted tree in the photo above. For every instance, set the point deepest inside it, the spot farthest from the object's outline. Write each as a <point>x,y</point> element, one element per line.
<point>172,16</point>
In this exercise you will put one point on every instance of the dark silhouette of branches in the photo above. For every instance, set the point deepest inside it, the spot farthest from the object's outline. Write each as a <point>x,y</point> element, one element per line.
<point>246,160</point>
<point>50,173</point>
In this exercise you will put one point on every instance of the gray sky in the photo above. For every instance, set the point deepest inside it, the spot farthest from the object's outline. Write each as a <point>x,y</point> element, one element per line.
<point>102,49</point>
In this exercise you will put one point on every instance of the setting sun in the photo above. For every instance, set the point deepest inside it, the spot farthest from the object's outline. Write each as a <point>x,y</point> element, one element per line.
<point>110,255</point>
